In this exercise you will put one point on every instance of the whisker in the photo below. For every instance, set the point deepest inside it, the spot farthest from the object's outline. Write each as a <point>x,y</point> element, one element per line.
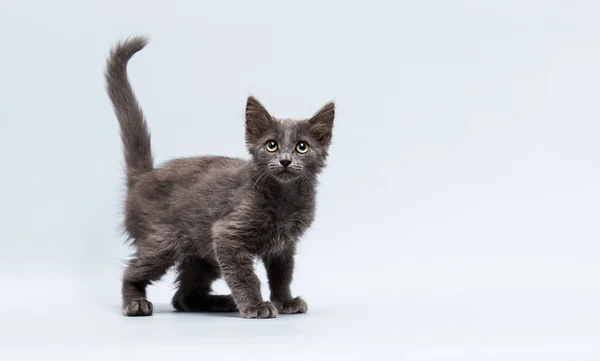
<point>258,180</point>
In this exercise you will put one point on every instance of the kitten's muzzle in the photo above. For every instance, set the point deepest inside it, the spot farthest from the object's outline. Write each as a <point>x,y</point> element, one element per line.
<point>286,173</point>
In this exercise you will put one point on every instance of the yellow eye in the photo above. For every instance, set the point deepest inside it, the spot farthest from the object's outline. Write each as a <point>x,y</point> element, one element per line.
<point>301,147</point>
<point>272,146</point>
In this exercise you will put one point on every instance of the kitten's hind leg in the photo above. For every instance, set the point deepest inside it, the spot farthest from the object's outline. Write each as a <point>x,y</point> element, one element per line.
<point>146,268</point>
<point>194,280</point>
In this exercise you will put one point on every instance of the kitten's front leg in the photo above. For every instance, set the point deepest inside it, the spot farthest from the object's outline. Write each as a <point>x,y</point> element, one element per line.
<point>280,269</point>
<point>237,267</point>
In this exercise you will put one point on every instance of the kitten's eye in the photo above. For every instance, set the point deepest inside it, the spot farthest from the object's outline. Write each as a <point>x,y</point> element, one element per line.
<point>301,148</point>
<point>272,146</point>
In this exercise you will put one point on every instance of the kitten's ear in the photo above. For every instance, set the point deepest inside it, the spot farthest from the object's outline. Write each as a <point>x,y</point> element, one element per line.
<point>258,120</point>
<point>321,124</point>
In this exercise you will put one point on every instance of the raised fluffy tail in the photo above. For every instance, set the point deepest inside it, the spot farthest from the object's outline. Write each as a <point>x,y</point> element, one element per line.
<point>134,130</point>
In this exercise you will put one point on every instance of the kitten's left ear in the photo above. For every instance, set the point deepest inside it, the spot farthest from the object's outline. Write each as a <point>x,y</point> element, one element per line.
<point>321,124</point>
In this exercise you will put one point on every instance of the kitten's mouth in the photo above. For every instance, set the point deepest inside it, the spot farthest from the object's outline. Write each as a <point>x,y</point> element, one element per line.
<point>286,175</point>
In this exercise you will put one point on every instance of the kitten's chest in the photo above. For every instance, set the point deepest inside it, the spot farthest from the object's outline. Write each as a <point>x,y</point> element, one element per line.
<point>286,224</point>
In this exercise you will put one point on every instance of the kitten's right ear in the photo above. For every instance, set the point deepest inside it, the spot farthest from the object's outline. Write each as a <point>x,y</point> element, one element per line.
<point>258,120</point>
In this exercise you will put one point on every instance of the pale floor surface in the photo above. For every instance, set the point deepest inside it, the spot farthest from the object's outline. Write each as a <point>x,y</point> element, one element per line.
<point>459,327</point>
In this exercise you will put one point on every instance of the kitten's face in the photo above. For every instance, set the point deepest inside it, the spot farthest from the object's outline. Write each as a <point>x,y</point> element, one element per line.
<point>287,149</point>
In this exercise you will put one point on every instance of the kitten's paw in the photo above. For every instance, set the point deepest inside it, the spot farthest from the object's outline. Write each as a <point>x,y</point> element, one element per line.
<point>261,310</point>
<point>295,305</point>
<point>137,307</point>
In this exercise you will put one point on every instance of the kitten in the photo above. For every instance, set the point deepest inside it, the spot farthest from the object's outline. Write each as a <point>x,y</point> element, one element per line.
<point>213,216</point>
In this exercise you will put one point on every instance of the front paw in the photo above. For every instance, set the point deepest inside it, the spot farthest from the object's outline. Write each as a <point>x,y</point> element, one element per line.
<point>294,305</point>
<point>261,310</point>
<point>137,307</point>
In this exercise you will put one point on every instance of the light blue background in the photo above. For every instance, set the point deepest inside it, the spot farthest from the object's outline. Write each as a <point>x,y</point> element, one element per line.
<point>460,205</point>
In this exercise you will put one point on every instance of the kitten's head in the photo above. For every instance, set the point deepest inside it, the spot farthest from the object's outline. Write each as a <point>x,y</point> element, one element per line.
<point>288,149</point>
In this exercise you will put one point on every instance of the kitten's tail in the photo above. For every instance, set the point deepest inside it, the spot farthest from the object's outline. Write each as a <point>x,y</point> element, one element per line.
<point>134,130</point>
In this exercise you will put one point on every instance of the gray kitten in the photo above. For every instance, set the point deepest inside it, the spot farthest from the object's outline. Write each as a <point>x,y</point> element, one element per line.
<point>213,216</point>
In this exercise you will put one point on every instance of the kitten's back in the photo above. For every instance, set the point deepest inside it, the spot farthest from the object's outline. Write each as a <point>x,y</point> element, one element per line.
<point>185,191</point>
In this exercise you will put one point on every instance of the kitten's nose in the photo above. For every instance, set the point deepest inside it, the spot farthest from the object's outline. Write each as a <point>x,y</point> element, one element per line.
<point>285,162</point>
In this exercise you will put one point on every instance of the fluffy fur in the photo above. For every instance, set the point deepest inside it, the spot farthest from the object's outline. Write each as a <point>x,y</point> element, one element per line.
<point>213,216</point>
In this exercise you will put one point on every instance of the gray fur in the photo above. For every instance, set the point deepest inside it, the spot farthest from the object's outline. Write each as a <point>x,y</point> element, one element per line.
<point>213,216</point>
